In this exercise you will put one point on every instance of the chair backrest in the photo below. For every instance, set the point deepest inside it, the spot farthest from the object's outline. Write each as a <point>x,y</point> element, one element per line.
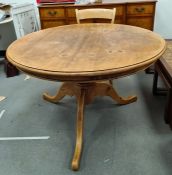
<point>95,13</point>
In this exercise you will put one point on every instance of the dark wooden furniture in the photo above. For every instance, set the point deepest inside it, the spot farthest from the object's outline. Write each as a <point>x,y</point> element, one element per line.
<point>82,54</point>
<point>132,12</point>
<point>163,68</point>
<point>9,69</point>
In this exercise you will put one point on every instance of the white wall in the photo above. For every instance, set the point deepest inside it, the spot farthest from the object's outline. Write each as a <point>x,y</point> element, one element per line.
<point>163,16</point>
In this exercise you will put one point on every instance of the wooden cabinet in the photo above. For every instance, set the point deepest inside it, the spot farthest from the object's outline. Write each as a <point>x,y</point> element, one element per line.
<point>132,12</point>
<point>141,14</point>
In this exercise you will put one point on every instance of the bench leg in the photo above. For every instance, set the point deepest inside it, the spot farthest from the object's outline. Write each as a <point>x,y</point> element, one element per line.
<point>155,89</point>
<point>155,83</point>
<point>168,109</point>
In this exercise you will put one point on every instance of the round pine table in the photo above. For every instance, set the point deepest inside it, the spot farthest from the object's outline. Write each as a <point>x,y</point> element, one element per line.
<point>86,57</point>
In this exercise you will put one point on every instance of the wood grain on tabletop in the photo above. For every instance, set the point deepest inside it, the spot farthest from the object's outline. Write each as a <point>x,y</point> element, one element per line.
<point>87,49</point>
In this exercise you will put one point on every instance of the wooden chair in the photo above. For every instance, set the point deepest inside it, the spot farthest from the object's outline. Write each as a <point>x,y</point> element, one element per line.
<point>95,13</point>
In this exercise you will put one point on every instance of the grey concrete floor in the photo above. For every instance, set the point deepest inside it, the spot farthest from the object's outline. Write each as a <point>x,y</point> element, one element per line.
<point>118,140</point>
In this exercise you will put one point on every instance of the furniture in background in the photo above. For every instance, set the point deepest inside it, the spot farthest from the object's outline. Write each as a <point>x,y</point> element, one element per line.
<point>7,33</point>
<point>139,13</point>
<point>87,62</point>
<point>4,11</point>
<point>163,68</point>
<point>95,13</point>
<point>7,36</point>
<point>132,12</point>
<point>23,20</point>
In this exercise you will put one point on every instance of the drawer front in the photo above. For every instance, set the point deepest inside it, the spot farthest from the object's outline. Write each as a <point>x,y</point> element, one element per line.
<point>48,24</point>
<point>71,11</point>
<point>140,9</point>
<point>52,13</point>
<point>144,22</point>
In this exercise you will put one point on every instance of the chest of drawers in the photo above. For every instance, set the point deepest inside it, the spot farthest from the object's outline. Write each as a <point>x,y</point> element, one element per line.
<point>132,12</point>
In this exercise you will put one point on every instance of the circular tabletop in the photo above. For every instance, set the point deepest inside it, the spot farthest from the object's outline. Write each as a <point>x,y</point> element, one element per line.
<point>86,52</point>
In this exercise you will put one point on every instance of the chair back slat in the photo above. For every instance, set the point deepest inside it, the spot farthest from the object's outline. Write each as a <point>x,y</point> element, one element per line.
<point>95,13</point>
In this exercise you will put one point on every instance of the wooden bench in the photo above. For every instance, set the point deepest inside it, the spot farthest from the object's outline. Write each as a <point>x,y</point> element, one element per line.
<point>163,68</point>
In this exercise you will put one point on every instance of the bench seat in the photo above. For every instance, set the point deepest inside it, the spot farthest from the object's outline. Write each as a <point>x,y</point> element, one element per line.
<point>163,68</point>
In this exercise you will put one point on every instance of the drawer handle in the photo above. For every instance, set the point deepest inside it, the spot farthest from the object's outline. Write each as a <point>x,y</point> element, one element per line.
<point>140,10</point>
<point>52,13</point>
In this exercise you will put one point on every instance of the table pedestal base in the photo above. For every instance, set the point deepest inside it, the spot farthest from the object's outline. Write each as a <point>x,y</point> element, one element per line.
<point>85,94</point>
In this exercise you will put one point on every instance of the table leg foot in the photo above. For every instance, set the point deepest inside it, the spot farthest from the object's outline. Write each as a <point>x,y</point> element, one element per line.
<point>53,99</point>
<point>62,92</point>
<point>120,100</point>
<point>79,131</point>
<point>106,89</point>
